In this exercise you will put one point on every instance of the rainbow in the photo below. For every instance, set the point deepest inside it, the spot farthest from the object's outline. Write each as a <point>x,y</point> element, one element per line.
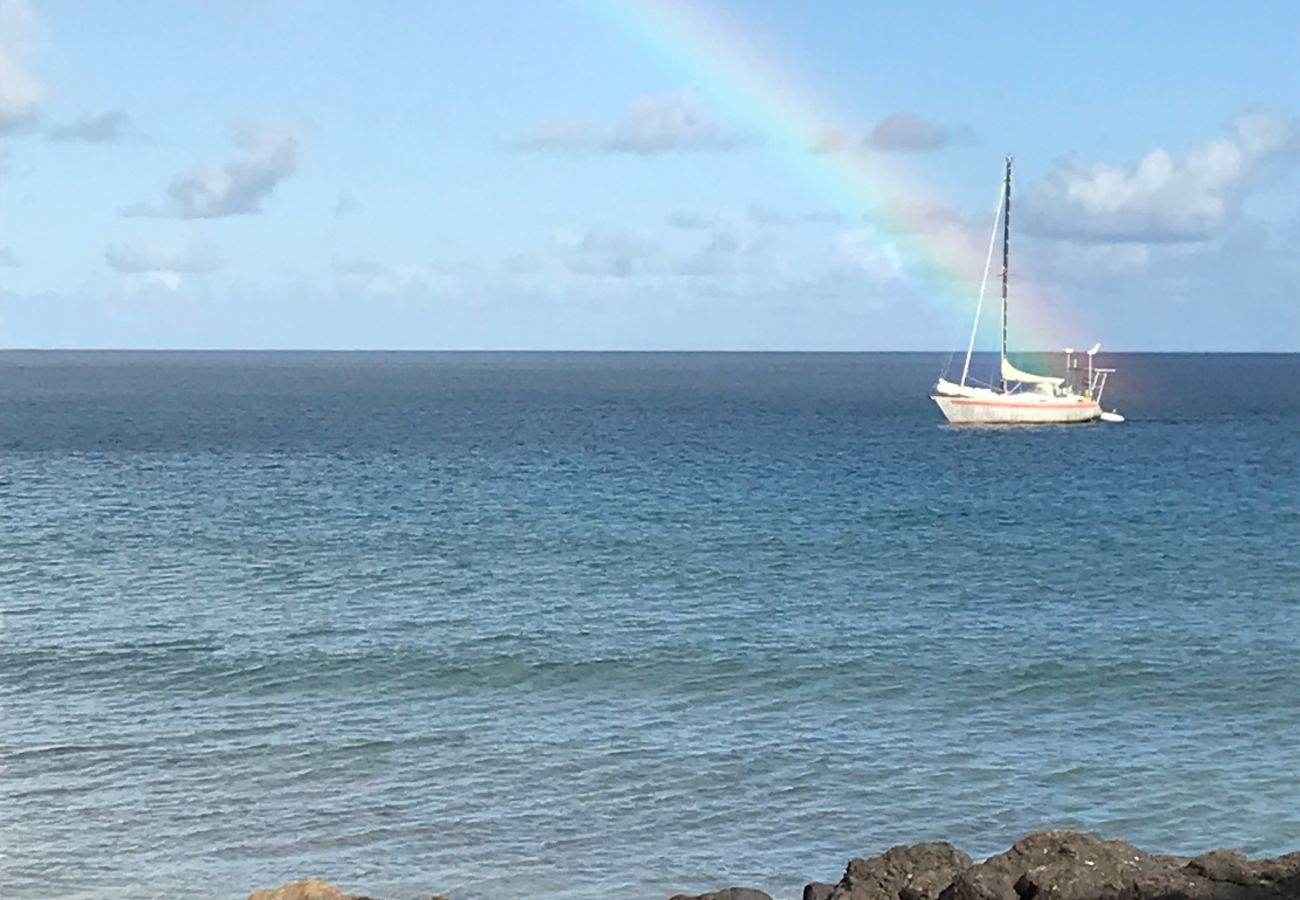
<point>737,70</point>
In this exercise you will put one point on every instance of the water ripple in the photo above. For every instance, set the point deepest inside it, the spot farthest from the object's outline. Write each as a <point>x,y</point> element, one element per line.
<point>442,626</point>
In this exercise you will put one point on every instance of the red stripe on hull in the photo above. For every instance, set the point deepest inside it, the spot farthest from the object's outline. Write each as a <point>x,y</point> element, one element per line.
<point>961,402</point>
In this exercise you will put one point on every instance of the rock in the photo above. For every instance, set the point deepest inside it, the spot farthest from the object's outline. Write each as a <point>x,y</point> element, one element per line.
<point>981,883</point>
<point>1228,874</point>
<point>917,872</point>
<point>300,890</point>
<point>1223,865</point>
<point>818,890</point>
<point>1062,865</point>
<point>1055,865</point>
<point>1048,865</point>
<point>1065,865</point>
<point>1282,870</point>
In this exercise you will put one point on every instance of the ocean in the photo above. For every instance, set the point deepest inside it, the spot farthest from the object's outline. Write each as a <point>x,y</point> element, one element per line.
<point>565,625</point>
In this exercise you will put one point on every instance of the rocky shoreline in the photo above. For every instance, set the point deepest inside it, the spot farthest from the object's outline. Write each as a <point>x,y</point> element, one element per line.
<point>1048,865</point>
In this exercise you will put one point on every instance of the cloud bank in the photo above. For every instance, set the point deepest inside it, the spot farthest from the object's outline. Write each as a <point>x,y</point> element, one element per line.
<point>1160,199</point>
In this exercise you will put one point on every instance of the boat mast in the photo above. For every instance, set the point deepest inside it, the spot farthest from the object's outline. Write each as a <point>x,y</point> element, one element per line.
<point>1006,258</point>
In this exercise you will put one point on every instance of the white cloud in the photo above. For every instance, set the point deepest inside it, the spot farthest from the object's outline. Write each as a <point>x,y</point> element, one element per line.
<point>105,128</point>
<point>911,215</point>
<point>372,277</point>
<point>900,132</point>
<point>831,140</point>
<point>867,251</point>
<point>663,123</point>
<point>523,264</point>
<point>758,215</point>
<point>720,256</point>
<point>1074,263</point>
<point>21,92</point>
<point>670,122</point>
<point>559,135</point>
<point>726,254</point>
<point>1160,199</point>
<point>906,133</point>
<point>347,205</point>
<point>763,215</point>
<point>271,154</point>
<point>691,221</point>
<point>161,262</point>
<point>639,256</point>
<point>613,252</point>
<point>364,268</point>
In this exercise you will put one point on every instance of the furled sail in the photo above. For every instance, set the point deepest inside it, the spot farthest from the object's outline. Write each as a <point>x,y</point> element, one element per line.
<point>1011,373</point>
<point>949,389</point>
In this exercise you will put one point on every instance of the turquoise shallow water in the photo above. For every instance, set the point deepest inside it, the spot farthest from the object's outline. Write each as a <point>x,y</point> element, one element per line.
<point>552,625</point>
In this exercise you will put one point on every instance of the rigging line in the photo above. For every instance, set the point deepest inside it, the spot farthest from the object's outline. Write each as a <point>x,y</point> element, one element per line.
<point>988,261</point>
<point>947,363</point>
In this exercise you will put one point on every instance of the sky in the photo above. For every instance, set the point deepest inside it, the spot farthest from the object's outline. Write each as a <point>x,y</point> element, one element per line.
<point>647,174</point>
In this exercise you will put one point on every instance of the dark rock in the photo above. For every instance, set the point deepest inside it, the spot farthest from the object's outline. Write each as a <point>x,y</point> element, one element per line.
<point>1223,865</point>
<point>1064,865</point>
<point>1282,870</point>
<point>916,872</point>
<point>818,890</point>
<point>1048,865</point>
<point>1230,875</point>
<point>981,882</point>
<point>731,893</point>
<point>1052,865</point>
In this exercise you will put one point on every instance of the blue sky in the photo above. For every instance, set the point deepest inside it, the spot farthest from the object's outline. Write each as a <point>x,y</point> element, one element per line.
<point>408,175</point>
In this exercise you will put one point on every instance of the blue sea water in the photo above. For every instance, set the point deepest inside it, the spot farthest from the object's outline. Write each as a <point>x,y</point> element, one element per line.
<point>516,625</point>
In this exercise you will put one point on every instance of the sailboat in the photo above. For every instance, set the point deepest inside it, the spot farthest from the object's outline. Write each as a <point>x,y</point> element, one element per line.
<point>1020,397</point>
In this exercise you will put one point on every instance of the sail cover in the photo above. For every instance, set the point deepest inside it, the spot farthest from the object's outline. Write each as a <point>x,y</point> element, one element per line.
<point>949,389</point>
<point>1011,373</point>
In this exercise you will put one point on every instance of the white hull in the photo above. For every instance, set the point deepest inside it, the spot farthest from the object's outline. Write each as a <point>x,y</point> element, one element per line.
<point>1033,399</point>
<point>1017,409</point>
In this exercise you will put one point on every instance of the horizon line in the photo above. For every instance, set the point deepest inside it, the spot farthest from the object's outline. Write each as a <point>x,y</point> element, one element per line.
<point>619,350</point>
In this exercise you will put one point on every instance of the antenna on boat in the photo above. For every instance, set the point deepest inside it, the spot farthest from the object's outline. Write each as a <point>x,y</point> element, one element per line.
<point>1069,354</point>
<point>1091,354</point>
<point>1006,261</point>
